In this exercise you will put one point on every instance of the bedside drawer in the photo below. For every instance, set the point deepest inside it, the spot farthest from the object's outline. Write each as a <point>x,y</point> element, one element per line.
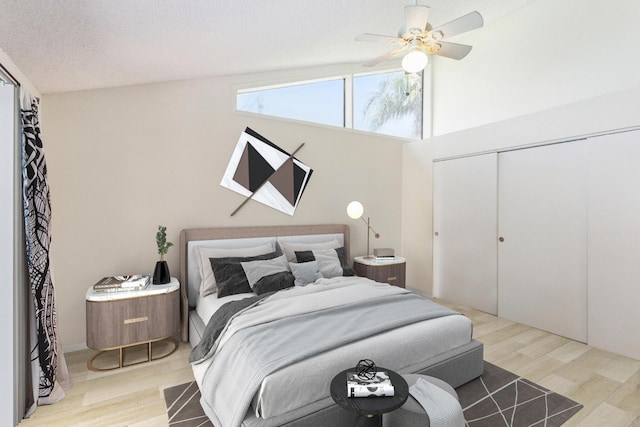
<point>128,321</point>
<point>393,274</point>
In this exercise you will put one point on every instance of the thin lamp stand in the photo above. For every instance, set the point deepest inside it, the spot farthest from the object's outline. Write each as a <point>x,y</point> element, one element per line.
<point>376,235</point>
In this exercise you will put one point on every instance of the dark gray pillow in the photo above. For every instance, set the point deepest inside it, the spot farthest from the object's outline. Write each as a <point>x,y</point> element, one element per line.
<point>230,277</point>
<point>274,282</point>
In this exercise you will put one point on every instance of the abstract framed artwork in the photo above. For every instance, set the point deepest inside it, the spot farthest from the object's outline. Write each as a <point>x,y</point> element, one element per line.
<point>264,172</point>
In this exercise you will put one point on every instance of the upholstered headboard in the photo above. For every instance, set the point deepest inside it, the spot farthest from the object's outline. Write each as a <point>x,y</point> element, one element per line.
<point>240,237</point>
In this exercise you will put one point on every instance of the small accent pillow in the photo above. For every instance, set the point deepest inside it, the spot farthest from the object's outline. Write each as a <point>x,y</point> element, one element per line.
<point>305,272</point>
<point>331,262</point>
<point>229,274</point>
<point>290,248</point>
<point>208,283</point>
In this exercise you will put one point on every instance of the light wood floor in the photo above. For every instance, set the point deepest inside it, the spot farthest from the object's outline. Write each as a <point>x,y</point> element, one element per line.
<point>608,385</point>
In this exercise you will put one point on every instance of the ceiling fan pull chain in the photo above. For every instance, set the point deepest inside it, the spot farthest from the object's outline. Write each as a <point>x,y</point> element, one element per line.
<point>406,81</point>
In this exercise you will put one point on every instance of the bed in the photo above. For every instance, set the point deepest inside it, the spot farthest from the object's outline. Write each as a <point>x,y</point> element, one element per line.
<point>267,360</point>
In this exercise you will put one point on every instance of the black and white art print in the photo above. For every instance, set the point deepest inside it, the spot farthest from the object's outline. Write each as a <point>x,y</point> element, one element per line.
<point>266,173</point>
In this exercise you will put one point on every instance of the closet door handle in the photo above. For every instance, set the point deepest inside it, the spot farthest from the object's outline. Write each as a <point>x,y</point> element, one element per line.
<point>501,239</point>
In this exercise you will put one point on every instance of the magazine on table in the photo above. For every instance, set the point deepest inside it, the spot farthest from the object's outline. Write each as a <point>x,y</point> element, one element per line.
<point>134,282</point>
<point>379,385</point>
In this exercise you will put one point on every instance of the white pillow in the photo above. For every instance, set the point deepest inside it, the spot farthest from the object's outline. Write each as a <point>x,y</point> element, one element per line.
<point>289,248</point>
<point>208,283</point>
<point>305,272</point>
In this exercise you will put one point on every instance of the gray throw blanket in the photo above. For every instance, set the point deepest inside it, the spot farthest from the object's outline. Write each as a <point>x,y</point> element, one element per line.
<point>244,359</point>
<point>218,322</point>
<point>442,408</point>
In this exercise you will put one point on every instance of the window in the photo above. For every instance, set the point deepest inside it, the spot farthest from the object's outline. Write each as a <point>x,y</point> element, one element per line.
<point>388,103</point>
<point>319,102</point>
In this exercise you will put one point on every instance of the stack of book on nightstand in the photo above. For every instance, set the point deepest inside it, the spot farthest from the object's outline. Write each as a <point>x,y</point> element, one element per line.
<point>135,282</point>
<point>384,254</point>
<point>379,385</point>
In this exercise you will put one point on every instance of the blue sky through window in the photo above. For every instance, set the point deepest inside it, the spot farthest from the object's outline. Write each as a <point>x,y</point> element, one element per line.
<point>366,86</point>
<point>323,102</point>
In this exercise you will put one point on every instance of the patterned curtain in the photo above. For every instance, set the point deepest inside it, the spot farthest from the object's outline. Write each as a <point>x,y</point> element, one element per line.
<point>49,370</point>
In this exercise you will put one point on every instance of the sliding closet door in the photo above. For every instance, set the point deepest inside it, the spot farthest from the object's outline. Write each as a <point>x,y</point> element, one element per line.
<point>542,253</point>
<point>614,243</point>
<point>464,215</point>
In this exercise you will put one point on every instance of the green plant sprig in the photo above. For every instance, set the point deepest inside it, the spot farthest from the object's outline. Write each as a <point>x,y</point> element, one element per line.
<point>161,241</point>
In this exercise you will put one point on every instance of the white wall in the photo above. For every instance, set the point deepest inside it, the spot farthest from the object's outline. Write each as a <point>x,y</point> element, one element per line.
<point>7,257</point>
<point>547,54</point>
<point>551,70</point>
<point>12,363</point>
<point>123,161</point>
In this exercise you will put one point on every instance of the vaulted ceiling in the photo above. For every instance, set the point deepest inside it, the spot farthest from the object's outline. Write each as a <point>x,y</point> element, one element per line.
<point>69,45</point>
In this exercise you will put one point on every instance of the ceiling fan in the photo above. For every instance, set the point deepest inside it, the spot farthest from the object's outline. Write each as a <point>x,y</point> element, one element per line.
<point>417,39</point>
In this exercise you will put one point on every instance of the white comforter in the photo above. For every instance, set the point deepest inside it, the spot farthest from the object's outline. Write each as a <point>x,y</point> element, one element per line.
<point>278,395</point>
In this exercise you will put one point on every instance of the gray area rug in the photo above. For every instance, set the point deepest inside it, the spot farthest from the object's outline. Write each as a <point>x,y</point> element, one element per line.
<point>497,398</point>
<point>501,398</point>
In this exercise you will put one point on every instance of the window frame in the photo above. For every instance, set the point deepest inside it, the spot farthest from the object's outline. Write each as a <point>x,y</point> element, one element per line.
<point>348,96</point>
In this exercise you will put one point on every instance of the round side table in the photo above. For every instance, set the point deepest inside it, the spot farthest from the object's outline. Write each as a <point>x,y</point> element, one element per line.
<point>369,409</point>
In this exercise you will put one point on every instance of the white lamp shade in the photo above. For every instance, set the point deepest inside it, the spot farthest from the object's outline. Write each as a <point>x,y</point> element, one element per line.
<point>414,61</point>
<point>355,210</point>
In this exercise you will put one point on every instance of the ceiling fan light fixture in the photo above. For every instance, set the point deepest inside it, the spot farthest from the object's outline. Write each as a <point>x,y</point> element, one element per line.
<point>414,61</point>
<point>436,35</point>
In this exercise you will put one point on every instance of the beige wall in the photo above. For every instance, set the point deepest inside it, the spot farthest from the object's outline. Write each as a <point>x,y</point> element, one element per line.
<point>122,161</point>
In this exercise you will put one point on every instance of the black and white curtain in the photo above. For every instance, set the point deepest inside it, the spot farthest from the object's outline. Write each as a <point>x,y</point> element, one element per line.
<point>49,370</point>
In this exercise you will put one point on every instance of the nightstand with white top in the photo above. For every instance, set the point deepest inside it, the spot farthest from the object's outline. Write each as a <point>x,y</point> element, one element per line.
<point>390,270</point>
<point>118,320</point>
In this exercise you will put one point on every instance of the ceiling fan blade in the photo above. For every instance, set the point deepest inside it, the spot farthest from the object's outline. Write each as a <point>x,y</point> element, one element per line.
<point>378,60</point>
<point>416,17</point>
<point>468,22</point>
<point>452,50</point>
<point>366,37</point>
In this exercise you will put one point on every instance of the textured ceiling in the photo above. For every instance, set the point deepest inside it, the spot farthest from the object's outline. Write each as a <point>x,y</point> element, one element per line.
<point>68,45</point>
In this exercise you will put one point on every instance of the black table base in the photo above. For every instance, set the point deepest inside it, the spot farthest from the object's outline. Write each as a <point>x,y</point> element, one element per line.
<point>368,420</point>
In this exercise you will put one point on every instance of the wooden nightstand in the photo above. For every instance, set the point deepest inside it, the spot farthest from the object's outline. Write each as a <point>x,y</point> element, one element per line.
<point>118,320</point>
<point>387,271</point>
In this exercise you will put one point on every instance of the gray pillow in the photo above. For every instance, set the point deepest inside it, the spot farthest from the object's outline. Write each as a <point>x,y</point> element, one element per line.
<point>305,272</point>
<point>268,275</point>
<point>331,262</point>
<point>256,270</point>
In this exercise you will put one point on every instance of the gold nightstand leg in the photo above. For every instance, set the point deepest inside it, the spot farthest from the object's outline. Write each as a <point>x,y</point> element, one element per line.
<point>121,354</point>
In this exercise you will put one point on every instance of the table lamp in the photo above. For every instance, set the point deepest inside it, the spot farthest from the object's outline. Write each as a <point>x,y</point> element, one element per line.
<point>355,210</point>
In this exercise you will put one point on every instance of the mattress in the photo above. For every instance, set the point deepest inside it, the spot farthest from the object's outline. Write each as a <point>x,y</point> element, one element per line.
<point>413,348</point>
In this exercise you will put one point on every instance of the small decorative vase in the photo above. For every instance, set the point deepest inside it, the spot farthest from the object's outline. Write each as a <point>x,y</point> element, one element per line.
<point>161,274</point>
